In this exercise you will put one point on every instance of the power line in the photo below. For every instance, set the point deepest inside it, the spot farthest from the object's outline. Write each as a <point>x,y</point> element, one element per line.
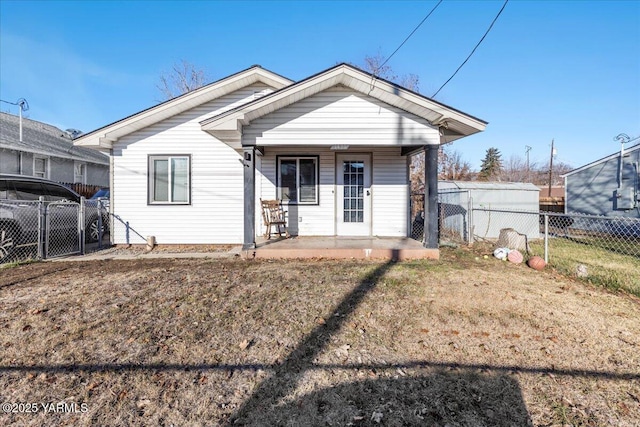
<point>409,36</point>
<point>474,49</point>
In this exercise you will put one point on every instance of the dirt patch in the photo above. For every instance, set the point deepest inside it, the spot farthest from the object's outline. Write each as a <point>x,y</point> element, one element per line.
<point>177,249</point>
<point>458,341</point>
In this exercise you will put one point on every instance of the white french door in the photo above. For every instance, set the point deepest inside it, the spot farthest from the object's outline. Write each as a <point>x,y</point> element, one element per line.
<point>353,195</point>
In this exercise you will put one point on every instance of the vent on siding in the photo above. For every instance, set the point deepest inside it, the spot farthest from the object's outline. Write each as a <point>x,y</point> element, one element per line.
<point>259,94</point>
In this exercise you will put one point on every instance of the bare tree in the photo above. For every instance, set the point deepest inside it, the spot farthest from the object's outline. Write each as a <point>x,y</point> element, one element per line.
<point>542,173</point>
<point>451,166</point>
<point>515,170</point>
<point>376,66</point>
<point>183,77</point>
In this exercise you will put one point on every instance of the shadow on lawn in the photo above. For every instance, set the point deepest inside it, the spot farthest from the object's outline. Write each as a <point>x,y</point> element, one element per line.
<point>443,398</point>
<point>469,398</point>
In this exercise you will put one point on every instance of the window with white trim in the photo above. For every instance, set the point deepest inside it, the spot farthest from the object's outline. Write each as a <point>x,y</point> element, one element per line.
<point>80,172</point>
<point>298,179</point>
<point>170,179</point>
<point>41,167</point>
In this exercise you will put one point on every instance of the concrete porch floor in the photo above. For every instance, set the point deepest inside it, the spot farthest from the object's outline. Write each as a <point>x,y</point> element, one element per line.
<point>331,247</point>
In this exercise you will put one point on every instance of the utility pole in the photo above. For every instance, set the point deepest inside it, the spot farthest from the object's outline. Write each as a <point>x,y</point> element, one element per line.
<point>526,150</point>
<point>551,167</point>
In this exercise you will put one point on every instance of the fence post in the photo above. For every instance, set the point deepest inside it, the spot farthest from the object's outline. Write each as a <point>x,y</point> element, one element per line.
<point>82,231</point>
<point>99,206</point>
<point>127,232</point>
<point>42,214</point>
<point>546,237</point>
<point>469,218</point>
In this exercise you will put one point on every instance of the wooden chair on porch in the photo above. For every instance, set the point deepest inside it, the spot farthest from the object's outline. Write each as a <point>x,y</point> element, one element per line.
<point>274,216</point>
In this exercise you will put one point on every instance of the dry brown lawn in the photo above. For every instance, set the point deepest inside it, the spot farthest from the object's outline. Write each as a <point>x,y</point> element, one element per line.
<point>458,342</point>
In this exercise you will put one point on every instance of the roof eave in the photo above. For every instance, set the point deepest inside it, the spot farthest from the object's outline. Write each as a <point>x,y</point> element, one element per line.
<point>458,124</point>
<point>103,138</point>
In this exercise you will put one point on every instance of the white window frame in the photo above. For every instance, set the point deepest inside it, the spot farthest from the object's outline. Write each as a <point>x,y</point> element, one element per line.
<point>83,176</point>
<point>316,160</point>
<point>151,174</point>
<point>44,174</point>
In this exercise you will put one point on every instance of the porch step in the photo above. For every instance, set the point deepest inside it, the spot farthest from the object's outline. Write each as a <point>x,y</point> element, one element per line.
<point>343,253</point>
<point>343,248</point>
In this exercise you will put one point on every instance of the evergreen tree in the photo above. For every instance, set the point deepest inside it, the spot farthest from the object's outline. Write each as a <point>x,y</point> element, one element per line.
<point>491,165</point>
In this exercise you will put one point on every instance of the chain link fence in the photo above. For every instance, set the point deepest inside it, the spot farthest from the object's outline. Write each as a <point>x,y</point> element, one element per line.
<point>34,230</point>
<point>601,250</point>
<point>454,222</point>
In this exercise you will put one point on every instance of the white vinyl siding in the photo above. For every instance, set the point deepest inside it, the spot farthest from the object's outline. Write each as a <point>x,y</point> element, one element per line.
<point>389,192</point>
<point>304,220</point>
<point>340,116</point>
<point>215,215</point>
<point>389,203</point>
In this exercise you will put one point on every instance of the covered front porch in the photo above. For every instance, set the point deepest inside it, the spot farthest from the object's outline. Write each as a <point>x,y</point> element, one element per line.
<point>339,247</point>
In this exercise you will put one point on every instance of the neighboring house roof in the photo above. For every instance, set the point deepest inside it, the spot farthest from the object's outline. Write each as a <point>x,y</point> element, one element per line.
<point>453,123</point>
<point>43,139</point>
<point>105,136</point>
<point>476,185</point>
<point>602,160</point>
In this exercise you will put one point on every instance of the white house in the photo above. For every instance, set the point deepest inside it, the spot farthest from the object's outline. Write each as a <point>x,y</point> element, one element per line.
<point>334,147</point>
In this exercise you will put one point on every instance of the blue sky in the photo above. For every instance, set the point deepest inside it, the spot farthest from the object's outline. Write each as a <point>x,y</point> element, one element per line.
<point>563,70</point>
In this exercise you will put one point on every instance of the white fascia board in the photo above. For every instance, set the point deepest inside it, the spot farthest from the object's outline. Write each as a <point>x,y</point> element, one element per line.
<point>180,104</point>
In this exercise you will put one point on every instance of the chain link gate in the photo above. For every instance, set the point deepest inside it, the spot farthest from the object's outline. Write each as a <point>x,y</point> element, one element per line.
<point>20,230</point>
<point>63,229</point>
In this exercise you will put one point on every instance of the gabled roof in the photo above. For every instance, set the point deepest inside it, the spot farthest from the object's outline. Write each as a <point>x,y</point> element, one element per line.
<point>454,123</point>
<point>43,139</point>
<point>105,136</point>
<point>602,160</point>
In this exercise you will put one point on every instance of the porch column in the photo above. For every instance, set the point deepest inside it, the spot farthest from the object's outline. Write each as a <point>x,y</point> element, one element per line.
<point>431,196</point>
<point>249,157</point>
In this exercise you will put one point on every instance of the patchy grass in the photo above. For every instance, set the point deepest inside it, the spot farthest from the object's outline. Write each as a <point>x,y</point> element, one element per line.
<point>604,267</point>
<point>462,341</point>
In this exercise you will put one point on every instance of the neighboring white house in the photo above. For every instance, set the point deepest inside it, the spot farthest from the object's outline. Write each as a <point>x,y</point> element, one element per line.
<point>333,147</point>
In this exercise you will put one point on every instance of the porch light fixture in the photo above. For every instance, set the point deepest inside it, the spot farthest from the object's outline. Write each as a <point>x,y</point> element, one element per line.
<point>339,147</point>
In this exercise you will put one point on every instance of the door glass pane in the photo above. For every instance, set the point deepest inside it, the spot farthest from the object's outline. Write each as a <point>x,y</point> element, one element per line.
<point>288,180</point>
<point>308,180</point>
<point>180,179</point>
<point>353,180</point>
<point>160,180</point>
